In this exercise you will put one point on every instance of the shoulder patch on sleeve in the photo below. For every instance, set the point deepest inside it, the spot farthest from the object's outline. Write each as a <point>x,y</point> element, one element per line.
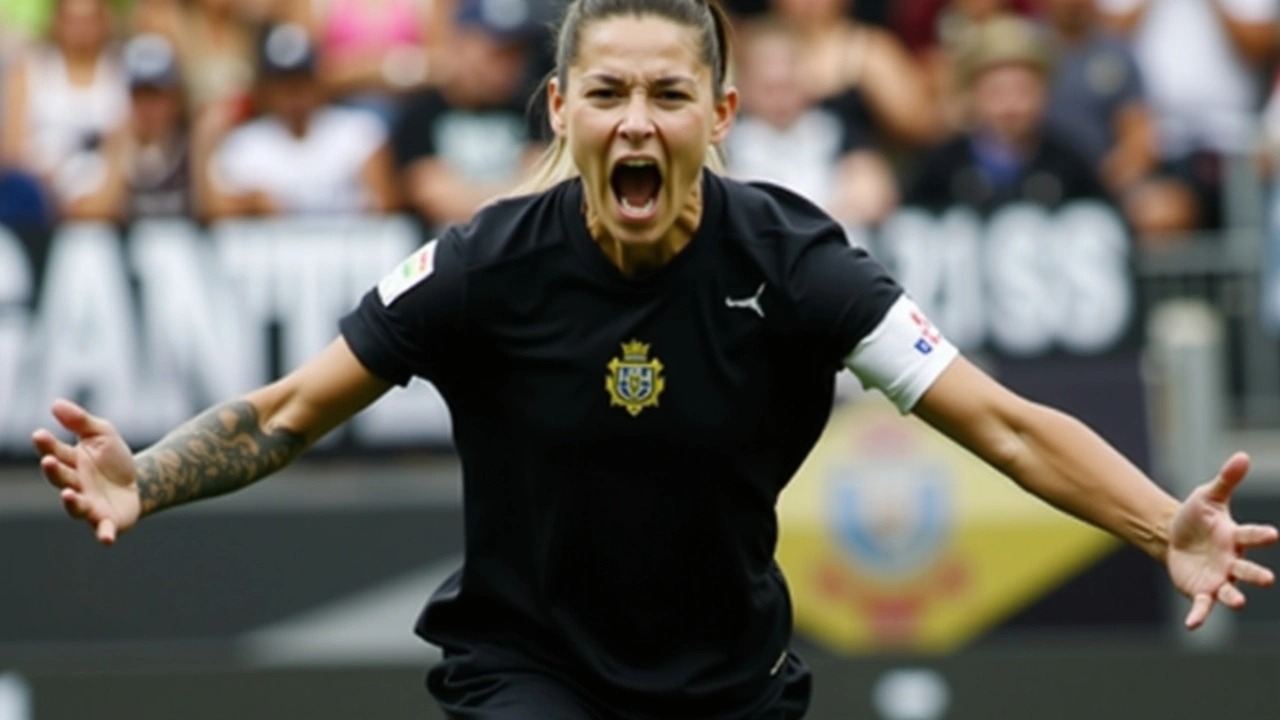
<point>413,270</point>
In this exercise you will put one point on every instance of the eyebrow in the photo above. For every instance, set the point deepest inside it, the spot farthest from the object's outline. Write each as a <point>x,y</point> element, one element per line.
<point>664,81</point>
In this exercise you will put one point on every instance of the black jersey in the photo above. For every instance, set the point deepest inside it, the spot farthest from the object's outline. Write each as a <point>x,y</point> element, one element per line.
<point>623,441</point>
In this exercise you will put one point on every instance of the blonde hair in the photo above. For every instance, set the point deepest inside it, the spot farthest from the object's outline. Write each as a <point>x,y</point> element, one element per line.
<point>706,16</point>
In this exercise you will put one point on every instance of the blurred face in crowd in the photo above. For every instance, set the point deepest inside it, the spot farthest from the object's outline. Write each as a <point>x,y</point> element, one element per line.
<point>771,89</point>
<point>979,9</point>
<point>1071,16</point>
<point>156,113</point>
<point>1008,101</point>
<point>808,13</point>
<point>491,68</point>
<point>81,26</point>
<point>638,111</point>
<point>292,98</point>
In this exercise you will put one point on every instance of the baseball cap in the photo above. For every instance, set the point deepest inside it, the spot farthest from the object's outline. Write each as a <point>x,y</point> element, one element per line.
<point>150,62</point>
<point>287,50</point>
<point>502,20</point>
<point>1002,40</point>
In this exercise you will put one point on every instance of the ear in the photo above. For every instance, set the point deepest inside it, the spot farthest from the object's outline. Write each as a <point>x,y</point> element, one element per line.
<point>555,107</point>
<point>726,109</point>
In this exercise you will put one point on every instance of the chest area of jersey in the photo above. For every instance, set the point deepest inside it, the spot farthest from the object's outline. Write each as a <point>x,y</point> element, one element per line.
<point>705,357</point>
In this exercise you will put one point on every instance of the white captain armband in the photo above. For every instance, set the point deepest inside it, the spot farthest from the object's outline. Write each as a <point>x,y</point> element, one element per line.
<point>902,356</point>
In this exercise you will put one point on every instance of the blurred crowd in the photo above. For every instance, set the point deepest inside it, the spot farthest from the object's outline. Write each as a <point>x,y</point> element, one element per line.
<point>209,109</point>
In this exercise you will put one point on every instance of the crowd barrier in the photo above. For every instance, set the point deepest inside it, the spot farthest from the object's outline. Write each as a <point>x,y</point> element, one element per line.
<point>151,323</point>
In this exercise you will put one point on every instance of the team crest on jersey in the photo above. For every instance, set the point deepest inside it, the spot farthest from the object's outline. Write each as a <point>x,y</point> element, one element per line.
<point>635,380</point>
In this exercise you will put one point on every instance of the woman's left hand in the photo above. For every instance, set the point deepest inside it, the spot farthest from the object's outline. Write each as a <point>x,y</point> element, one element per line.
<point>1207,546</point>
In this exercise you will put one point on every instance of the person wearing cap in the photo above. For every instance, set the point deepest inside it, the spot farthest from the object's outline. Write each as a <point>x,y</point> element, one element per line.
<point>62,98</point>
<point>1007,154</point>
<point>302,155</point>
<point>471,138</point>
<point>149,158</point>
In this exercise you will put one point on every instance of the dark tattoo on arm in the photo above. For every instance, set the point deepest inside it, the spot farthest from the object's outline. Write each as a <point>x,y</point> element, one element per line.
<point>222,449</point>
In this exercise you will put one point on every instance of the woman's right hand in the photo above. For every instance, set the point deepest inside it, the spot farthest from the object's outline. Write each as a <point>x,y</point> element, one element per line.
<point>96,476</point>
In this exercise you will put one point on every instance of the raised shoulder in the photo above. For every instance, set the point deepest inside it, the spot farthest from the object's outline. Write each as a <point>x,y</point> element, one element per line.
<point>762,213</point>
<point>510,228</point>
<point>762,200</point>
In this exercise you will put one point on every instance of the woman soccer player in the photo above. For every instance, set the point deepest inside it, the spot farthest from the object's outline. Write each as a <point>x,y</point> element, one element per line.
<point>637,359</point>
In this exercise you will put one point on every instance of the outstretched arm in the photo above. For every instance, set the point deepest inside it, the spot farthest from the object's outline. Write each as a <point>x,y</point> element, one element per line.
<point>1059,459</point>
<point>223,449</point>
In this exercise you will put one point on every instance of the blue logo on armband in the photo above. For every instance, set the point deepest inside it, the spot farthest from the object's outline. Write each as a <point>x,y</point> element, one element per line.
<point>929,337</point>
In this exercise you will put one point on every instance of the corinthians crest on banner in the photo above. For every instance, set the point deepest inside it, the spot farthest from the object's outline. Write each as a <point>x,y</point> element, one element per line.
<point>634,381</point>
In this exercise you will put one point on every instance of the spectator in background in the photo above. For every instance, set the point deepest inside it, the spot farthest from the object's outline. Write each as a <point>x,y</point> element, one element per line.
<point>301,156</point>
<point>62,98</point>
<point>782,136</point>
<point>1098,103</point>
<point>935,31</point>
<point>864,65</point>
<point>1097,100</point>
<point>1008,154</point>
<point>924,25</point>
<point>1201,60</point>
<point>216,47</point>
<point>472,138</point>
<point>374,51</point>
<point>149,158</point>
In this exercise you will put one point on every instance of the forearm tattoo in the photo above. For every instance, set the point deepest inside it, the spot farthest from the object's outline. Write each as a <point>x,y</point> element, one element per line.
<point>222,449</point>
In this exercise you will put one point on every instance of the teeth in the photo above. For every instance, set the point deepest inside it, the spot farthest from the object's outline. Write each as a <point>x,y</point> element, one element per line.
<point>638,162</point>
<point>643,208</point>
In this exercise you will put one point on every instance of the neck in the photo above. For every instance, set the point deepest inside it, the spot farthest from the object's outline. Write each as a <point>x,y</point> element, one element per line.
<point>638,259</point>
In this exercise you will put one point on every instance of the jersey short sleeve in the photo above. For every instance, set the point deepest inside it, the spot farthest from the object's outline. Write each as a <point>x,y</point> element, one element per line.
<point>853,312</point>
<point>412,320</point>
<point>839,293</point>
<point>902,356</point>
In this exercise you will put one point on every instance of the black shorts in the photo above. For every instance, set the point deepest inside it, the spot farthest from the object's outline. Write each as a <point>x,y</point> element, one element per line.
<point>508,695</point>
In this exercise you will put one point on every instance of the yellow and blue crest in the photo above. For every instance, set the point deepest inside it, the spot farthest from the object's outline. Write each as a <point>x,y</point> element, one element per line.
<point>893,519</point>
<point>634,381</point>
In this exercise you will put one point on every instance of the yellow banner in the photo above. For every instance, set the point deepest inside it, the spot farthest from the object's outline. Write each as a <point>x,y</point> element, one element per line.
<point>895,538</point>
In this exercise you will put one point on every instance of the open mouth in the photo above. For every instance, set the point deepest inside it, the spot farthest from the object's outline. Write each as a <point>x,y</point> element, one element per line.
<point>636,183</point>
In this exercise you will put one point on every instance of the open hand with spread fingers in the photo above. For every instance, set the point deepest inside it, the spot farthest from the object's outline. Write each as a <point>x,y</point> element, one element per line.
<point>1206,546</point>
<point>96,475</point>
